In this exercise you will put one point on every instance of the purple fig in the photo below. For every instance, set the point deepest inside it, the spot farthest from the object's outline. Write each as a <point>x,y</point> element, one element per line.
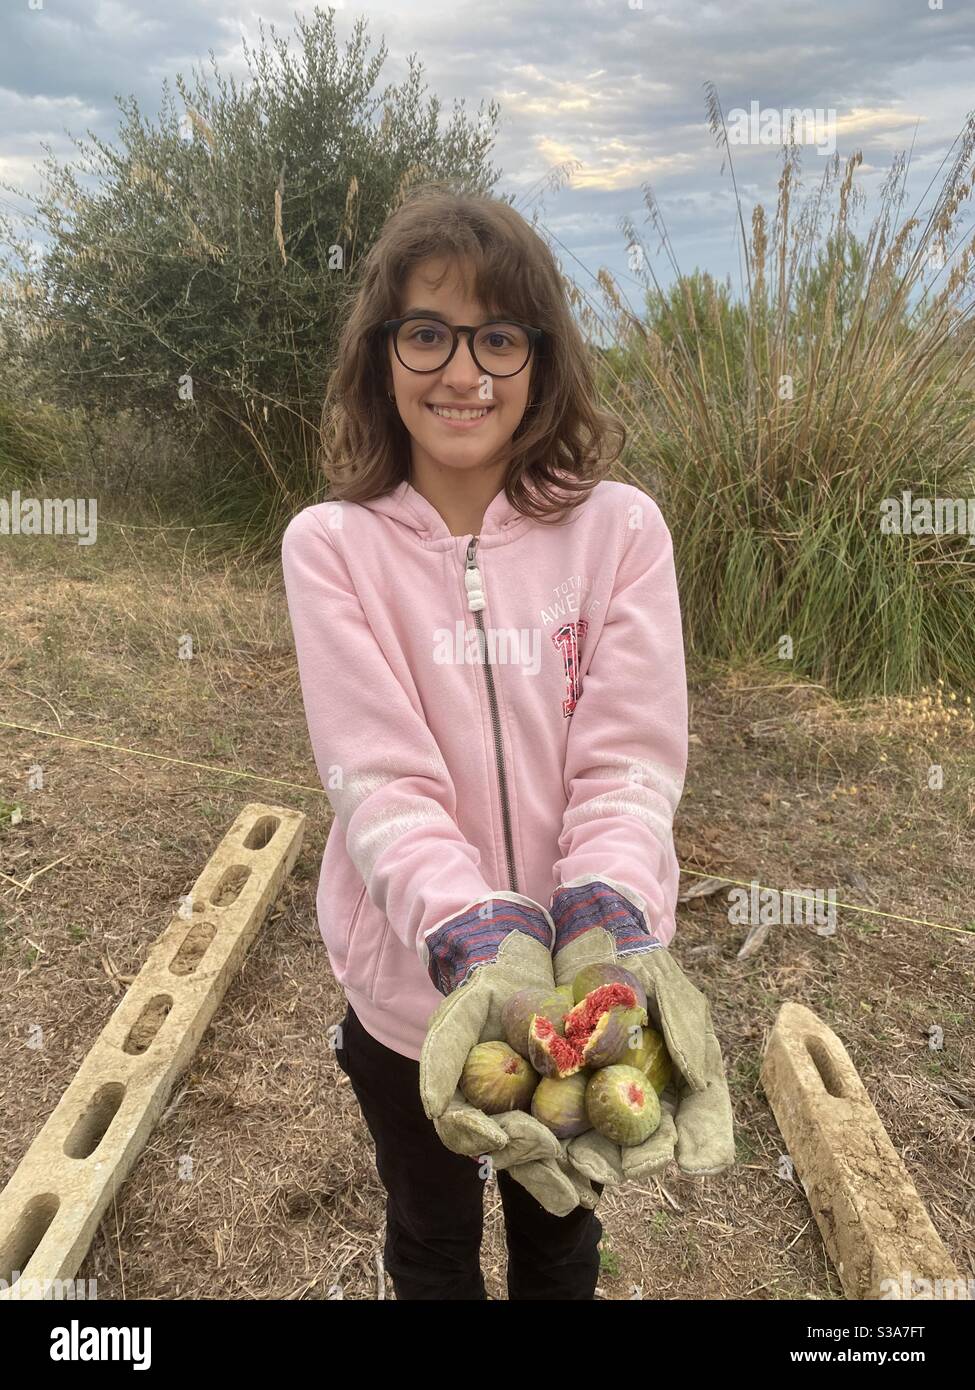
<point>601,1025</point>
<point>609,1041</point>
<point>590,977</point>
<point>558,1004</point>
<point>550,1053</point>
<point>516,1016</point>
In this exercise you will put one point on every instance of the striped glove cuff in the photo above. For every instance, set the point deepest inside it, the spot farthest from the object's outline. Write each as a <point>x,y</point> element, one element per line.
<point>578,910</point>
<point>455,949</point>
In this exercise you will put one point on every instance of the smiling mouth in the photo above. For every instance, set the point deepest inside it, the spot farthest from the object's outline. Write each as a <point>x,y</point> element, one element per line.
<point>460,412</point>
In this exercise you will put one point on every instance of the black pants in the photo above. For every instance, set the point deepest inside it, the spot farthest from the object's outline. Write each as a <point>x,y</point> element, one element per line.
<point>434,1202</point>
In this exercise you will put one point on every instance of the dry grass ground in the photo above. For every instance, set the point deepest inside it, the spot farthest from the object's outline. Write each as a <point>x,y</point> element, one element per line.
<point>785,786</point>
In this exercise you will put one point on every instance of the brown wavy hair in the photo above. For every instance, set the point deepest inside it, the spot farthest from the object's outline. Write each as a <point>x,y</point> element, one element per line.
<point>563,444</point>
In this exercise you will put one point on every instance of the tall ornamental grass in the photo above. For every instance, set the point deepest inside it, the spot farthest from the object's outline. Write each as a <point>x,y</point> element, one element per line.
<point>773,423</point>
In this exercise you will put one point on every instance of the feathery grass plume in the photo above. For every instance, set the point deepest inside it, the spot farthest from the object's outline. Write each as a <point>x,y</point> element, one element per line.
<point>772,424</point>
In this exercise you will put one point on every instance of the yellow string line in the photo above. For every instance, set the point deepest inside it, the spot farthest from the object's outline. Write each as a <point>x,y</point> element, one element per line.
<point>160,757</point>
<point>851,907</point>
<point>320,791</point>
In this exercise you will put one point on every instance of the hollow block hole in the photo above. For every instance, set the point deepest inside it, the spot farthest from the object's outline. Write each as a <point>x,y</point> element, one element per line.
<point>261,832</point>
<point>30,1230</point>
<point>229,888</point>
<point>148,1024</point>
<point>826,1067</point>
<point>194,948</point>
<point>91,1126</point>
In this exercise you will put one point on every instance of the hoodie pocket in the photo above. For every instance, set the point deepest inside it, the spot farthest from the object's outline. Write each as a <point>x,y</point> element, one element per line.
<point>366,939</point>
<point>352,968</point>
<point>377,966</point>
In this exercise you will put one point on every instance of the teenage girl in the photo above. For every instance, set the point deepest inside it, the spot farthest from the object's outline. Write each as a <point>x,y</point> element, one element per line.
<point>489,643</point>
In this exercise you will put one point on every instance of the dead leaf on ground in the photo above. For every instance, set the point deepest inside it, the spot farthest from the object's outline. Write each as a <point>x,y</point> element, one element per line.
<point>705,888</point>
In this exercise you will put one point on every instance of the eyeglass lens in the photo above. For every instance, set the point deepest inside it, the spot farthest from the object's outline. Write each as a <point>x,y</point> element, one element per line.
<point>424,344</point>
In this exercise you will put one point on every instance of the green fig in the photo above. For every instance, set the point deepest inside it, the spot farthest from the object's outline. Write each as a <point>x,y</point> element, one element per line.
<point>622,1105</point>
<point>559,1103</point>
<point>649,1056</point>
<point>496,1079</point>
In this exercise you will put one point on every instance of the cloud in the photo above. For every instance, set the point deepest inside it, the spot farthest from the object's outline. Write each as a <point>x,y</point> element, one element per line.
<point>619,90</point>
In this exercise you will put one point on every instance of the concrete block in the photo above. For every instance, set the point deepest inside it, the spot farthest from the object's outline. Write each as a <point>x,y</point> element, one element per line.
<point>51,1207</point>
<point>874,1223</point>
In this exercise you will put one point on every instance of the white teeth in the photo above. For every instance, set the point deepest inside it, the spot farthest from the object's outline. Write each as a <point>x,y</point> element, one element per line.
<point>459,414</point>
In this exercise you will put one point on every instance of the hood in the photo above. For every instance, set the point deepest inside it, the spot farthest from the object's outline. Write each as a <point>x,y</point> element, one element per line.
<point>502,522</point>
<point>411,509</point>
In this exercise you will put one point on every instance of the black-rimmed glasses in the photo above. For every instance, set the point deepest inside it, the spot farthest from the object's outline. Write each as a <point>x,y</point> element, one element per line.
<point>425,344</point>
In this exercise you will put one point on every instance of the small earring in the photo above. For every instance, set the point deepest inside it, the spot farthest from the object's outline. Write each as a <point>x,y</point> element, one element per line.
<point>390,395</point>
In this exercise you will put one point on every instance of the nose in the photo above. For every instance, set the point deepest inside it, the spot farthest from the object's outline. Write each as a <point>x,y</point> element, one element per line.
<point>462,371</point>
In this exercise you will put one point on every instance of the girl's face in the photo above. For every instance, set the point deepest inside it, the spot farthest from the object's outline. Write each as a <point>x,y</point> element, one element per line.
<point>467,444</point>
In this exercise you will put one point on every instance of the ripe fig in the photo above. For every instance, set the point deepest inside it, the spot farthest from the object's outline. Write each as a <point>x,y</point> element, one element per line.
<point>516,1015</point>
<point>622,1105</point>
<point>559,1103</point>
<point>601,1025</point>
<point>651,1057</point>
<point>551,1054</point>
<point>496,1079</point>
<point>590,977</point>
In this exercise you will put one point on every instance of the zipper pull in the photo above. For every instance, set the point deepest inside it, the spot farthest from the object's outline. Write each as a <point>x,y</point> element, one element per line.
<point>472,578</point>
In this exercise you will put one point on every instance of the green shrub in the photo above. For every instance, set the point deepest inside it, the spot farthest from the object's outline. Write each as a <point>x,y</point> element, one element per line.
<point>217,249</point>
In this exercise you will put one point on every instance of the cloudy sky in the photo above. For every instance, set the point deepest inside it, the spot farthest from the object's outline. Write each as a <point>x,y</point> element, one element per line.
<point>614,86</point>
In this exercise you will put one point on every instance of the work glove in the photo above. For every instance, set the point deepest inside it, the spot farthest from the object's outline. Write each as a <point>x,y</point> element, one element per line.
<point>594,923</point>
<point>478,961</point>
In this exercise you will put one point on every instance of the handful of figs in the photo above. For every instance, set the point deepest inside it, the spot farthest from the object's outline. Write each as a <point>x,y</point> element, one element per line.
<point>578,1058</point>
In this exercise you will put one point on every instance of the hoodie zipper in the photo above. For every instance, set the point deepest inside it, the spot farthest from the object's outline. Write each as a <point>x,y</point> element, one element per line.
<point>475,604</point>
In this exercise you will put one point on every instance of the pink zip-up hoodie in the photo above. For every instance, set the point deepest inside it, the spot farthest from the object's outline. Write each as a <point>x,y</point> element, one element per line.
<point>555,761</point>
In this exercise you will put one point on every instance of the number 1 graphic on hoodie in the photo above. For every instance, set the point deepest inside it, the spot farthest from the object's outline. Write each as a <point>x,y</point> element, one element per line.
<point>569,638</point>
